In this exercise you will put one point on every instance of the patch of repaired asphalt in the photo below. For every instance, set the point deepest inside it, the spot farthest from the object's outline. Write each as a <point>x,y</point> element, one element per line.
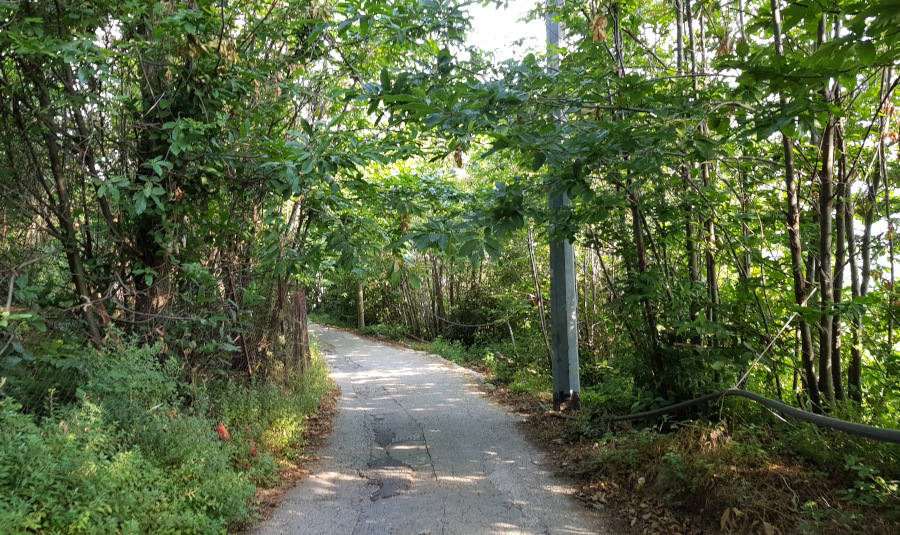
<point>392,477</point>
<point>417,449</point>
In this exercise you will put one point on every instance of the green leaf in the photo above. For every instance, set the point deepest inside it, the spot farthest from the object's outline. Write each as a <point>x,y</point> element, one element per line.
<point>468,248</point>
<point>865,51</point>
<point>831,55</point>
<point>404,98</point>
<point>395,277</point>
<point>433,120</point>
<point>790,130</point>
<point>493,247</point>
<point>140,203</point>
<point>11,362</point>
<point>415,282</point>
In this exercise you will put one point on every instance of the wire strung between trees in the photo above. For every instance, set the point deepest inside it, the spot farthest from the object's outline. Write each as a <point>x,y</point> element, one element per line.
<point>473,326</point>
<point>867,431</point>
<point>875,433</point>
<point>512,337</point>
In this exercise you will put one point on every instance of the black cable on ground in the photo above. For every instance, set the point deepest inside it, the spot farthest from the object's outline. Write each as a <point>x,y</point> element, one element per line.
<point>875,433</point>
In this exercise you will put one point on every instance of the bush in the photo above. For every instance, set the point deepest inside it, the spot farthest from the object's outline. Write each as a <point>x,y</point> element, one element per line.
<point>81,474</point>
<point>392,332</point>
<point>130,457</point>
<point>273,414</point>
<point>454,351</point>
<point>331,319</point>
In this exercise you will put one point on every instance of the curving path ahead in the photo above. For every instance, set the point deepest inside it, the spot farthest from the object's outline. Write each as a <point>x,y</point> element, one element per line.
<point>416,450</point>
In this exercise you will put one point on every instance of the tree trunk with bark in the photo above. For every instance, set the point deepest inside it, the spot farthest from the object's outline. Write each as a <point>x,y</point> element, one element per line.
<point>795,243</point>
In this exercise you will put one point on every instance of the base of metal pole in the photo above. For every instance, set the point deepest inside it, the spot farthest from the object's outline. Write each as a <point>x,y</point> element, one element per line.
<point>565,401</point>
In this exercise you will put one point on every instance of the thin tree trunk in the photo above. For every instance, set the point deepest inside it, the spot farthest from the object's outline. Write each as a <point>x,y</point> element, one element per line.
<point>539,296</point>
<point>690,238</point>
<point>854,379</point>
<point>840,259</point>
<point>584,304</point>
<point>451,292</point>
<point>593,316</point>
<point>594,286</point>
<point>679,34</point>
<point>68,233</point>
<point>613,293</point>
<point>798,364</point>
<point>712,276</point>
<point>438,287</point>
<point>693,252</point>
<point>412,317</point>
<point>301,329</point>
<point>884,121</point>
<point>826,181</point>
<point>649,314</point>
<point>795,243</point>
<point>712,282</point>
<point>854,373</point>
<point>745,228</point>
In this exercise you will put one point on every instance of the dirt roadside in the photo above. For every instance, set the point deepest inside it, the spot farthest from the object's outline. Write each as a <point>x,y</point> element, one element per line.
<point>290,472</point>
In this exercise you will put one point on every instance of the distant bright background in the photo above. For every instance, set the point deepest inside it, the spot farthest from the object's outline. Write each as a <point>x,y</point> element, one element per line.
<point>496,30</point>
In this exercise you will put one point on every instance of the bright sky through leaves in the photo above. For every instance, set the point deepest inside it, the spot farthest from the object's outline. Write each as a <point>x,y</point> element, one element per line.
<point>497,29</point>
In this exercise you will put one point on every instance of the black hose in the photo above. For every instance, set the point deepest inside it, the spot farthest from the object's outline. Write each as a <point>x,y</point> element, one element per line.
<point>867,431</point>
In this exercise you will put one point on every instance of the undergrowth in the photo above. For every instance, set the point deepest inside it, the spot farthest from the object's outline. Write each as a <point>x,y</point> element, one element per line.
<point>137,452</point>
<point>331,319</point>
<point>748,477</point>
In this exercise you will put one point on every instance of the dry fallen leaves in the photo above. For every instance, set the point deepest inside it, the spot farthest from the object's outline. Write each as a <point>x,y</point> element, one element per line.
<point>731,518</point>
<point>599,26</point>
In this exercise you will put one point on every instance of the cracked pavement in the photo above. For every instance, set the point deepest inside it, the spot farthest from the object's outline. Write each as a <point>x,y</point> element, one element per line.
<point>417,449</point>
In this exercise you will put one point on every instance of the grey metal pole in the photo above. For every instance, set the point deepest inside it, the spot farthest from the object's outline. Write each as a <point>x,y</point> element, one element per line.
<point>563,298</point>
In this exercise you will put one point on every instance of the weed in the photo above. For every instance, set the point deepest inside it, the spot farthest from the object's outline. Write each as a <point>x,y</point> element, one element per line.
<point>531,382</point>
<point>869,488</point>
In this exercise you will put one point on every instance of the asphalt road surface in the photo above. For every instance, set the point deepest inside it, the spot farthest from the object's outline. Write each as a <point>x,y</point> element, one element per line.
<point>417,449</point>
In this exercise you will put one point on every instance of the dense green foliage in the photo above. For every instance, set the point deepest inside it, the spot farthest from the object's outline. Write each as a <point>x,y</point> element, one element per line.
<point>189,173</point>
<point>732,168</point>
<point>159,178</point>
<point>137,453</point>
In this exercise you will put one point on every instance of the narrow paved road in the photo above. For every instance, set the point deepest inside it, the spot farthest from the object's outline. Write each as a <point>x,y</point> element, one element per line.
<point>416,449</point>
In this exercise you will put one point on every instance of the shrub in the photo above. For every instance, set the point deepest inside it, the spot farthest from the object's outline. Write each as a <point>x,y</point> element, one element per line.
<point>130,457</point>
<point>453,351</point>
<point>392,332</point>
<point>78,476</point>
